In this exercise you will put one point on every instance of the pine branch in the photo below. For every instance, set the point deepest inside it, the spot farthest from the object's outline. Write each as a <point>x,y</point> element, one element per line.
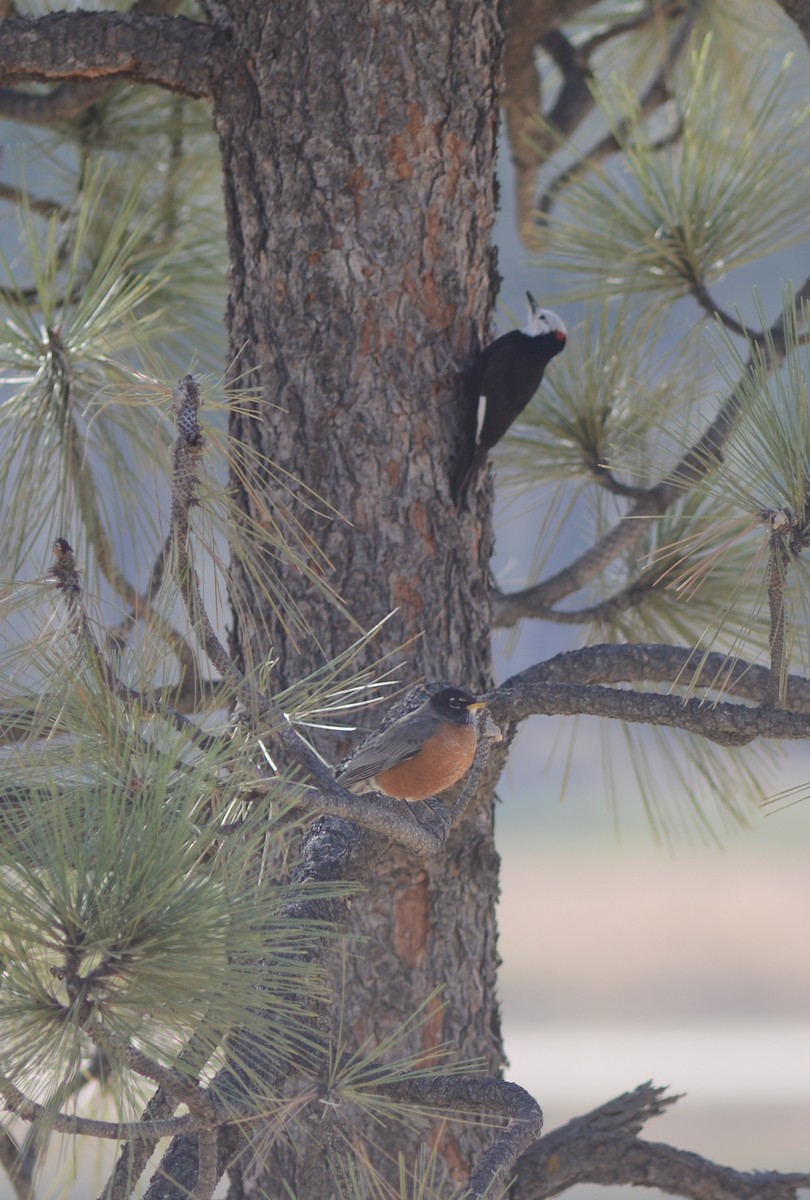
<point>37,204</point>
<point>724,723</point>
<point>552,1167</point>
<point>534,601</point>
<point>532,24</point>
<point>655,94</point>
<point>778,561</point>
<point>13,1163</point>
<point>207,1165</point>
<point>65,102</point>
<point>798,11</point>
<point>602,1147</point>
<point>331,850</point>
<point>29,1110</point>
<point>608,481</point>
<point>197,1100</point>
<point>605,610</point>
<point>66,577</point>
<point>135,1154</point>
<point>704,299</point>
<point>647,663</point>
<point>529,22</point>
<point>653,13</point>
<point>575,98</point>
<point>97,48</point>
<point>524,1115</point>
<point>141,605</point>
<point>187,454</point>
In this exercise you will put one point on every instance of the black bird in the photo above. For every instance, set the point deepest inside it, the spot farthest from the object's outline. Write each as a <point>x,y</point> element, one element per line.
<point>500,384</point>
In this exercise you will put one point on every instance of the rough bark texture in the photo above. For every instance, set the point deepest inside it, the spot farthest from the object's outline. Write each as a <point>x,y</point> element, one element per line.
<point>147,47</point>
<point>358,151</point>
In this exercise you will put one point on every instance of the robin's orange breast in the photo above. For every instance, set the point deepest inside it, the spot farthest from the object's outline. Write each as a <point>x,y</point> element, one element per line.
<point>440,763</point>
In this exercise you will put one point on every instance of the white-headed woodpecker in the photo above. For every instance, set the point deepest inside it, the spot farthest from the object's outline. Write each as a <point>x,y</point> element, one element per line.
<point>500,384</point>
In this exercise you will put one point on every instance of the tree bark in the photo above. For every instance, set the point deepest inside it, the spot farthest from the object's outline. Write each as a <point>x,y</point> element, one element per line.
<point>358,151</point>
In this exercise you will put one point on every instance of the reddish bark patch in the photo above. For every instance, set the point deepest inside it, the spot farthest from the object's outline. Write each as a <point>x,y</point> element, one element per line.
<point>411,924</point>
<point>422,525</point>
<point>357,185</point>
<point>405,146</point>
<point>400,158</point>
<point>433,1033</point>
<point>426,295</point>
<point>434,227</point>
<point>455,157</point>
<point>393,473</point>
<point>369,340</point>
<point>440,314</point>
<point>448,1147</point>
<point>407,595</point>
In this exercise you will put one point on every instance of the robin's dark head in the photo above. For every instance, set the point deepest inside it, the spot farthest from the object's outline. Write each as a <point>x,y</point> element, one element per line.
<point>455,704</point>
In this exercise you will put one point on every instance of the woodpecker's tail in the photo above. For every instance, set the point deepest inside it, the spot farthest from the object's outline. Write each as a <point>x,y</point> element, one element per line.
<point>460,483</point>
<point>463,476</point>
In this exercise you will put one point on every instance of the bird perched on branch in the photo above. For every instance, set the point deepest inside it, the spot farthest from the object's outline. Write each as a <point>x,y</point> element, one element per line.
<point>423,752</point>
<point>500,384</point>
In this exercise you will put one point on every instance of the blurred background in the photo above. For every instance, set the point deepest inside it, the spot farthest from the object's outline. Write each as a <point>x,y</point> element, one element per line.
<point>628,956</point>
<point>626,960</point>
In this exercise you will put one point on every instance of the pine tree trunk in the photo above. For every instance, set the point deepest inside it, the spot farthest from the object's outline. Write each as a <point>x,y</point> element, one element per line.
<point>358,153</point>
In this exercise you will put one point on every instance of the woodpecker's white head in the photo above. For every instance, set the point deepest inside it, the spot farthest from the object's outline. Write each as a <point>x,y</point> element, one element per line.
<point>543,320</point>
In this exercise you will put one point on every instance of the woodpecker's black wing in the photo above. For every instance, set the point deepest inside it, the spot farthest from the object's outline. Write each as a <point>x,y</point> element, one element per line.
<point>498,386</point>
<point>509,379</point>
<point>475,404</point>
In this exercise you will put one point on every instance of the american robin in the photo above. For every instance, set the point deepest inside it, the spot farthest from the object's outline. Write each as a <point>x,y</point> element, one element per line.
<point>421,753</point>
<point>500,384</point>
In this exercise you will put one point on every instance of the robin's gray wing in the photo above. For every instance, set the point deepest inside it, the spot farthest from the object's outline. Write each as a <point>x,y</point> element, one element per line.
<point>399,742</point>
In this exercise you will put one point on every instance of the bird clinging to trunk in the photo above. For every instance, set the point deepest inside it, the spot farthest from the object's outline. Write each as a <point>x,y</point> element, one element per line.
<point>500,384</point>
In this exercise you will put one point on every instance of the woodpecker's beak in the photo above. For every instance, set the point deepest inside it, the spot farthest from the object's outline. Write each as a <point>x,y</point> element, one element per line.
<point>532,302</point>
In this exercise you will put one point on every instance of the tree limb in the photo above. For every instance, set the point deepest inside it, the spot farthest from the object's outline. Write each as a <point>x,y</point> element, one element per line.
<point>141,605</point>
<point>602,1147</point>
<point>135,1154</point>
<point>175,53</point>
<point>724,723</point>
<point>331,850</point>
<point>14,1165</point>
<point>30,1110</point>
<point>553,1166</point>
<point>778,561</point>
<point>37,204</point>
<point>706,302</point>
<point>537,22</point>
<point>655,94</point>
<point>798,11</point>
<point>654,663</point>
<point>527,22</point>
<point>66,577</point>
<point>534,601</point>
<point>488,1096</point>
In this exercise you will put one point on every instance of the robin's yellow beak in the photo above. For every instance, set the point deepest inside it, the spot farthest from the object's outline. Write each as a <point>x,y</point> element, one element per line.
<point>477,704</point>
